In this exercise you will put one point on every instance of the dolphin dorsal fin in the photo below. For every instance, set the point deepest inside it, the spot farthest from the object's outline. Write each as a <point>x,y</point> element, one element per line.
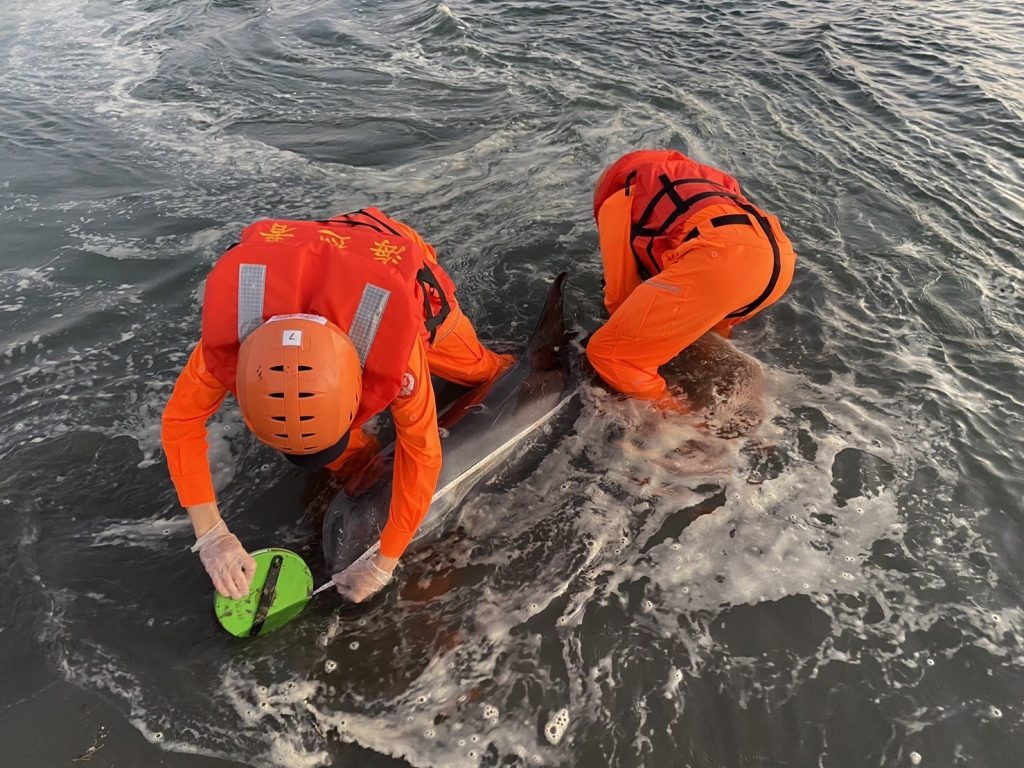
<point>550,336</point>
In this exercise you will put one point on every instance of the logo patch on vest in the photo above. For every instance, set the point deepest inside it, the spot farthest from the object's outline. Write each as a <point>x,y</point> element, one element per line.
<point>408,385</point>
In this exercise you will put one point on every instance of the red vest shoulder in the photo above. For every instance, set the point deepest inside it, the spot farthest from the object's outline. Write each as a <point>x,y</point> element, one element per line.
<point>360,271</point>
<point>625,172</point>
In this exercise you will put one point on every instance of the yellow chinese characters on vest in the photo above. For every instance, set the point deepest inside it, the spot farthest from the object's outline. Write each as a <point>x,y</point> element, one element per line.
<point>278,232</point>
<point>333,238</point>
<point>386,253</point>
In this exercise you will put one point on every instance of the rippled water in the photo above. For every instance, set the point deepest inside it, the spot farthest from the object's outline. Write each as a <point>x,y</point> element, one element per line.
<point>840,588</point>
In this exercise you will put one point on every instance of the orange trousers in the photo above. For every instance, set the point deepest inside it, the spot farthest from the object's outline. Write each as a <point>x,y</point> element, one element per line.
<point>704,280</point>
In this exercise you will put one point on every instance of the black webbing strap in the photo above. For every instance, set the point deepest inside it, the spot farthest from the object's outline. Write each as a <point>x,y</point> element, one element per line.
<point>345,221</point>
<point>641,267</point>
<point>680,206</point>
<point>721,221</point>
<point>432,322</point>
<point>384,224</point>
<point>776,262</point>
<point>629,180</point>
<point>668,186</point>
<point>374,223</point>
<point>730,219</point>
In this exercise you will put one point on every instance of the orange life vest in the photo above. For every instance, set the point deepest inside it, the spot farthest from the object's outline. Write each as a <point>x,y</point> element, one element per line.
<point>358,270</point>
<point>668,189</point>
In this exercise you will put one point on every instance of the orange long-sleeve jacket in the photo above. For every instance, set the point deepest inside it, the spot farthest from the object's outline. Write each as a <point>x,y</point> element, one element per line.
<point>198,395</point>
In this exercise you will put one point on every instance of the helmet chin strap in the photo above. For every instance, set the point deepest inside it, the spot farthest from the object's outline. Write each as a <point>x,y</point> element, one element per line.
<point>320,458</point>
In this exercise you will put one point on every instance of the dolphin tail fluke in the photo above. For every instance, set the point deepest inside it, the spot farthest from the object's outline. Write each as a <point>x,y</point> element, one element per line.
<point>549,337</point>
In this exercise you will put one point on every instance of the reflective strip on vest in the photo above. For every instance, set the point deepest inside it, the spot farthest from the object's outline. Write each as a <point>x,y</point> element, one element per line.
<point>367,319</point>
<point>252,279</point>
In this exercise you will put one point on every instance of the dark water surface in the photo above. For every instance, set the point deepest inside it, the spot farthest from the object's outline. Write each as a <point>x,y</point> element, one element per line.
<point>854,599</point>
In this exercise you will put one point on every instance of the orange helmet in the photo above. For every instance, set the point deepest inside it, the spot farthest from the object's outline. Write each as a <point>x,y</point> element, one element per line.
<point>299,381</point>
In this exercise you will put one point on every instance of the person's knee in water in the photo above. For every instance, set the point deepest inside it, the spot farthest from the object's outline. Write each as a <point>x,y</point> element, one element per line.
<point>684,252</point>
<point>315,327</point>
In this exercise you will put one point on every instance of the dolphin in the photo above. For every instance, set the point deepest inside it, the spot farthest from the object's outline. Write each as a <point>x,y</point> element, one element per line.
<point>478,431</point>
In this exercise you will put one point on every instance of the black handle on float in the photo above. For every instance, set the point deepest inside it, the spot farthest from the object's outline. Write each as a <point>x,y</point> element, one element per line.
<point>266,595</point>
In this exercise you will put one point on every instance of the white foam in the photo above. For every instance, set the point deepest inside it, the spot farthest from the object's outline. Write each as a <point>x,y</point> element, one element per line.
<point>154,533</point>
<point>556,726</point>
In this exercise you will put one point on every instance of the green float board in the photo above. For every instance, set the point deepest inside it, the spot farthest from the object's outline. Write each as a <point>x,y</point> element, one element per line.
<point>294,586</point>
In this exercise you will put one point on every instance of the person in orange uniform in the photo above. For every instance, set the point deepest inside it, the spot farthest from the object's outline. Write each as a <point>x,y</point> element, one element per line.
<point>684,252</point>
<point>315,327</point>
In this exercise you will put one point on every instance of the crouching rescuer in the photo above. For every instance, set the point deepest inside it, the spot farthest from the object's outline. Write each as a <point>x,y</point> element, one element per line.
<point>315,327</point>
<point>684,252</point>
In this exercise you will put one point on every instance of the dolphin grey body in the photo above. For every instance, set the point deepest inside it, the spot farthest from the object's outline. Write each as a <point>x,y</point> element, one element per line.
<point>478,431</point>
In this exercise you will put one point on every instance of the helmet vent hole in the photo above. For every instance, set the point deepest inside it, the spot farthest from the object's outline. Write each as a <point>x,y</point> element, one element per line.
<point>280,435</point>
<point>277,368</point>
<point>305,394</point>
<point>305,367</point>
<point>278,395</point>
<point>279,418</point>
<point>306,418</point>
<point>308,434</point>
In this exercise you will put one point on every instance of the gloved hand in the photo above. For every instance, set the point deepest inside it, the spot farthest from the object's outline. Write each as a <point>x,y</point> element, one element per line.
<point>230,567</point>
<point>360,580</point>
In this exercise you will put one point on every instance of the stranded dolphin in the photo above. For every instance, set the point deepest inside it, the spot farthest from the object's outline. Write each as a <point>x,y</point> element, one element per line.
<point>478,431</point>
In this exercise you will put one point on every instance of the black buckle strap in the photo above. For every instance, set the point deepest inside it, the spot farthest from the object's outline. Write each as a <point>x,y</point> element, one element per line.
<point>432,322</point>
<point>721,221</point>
<point>730,219</point>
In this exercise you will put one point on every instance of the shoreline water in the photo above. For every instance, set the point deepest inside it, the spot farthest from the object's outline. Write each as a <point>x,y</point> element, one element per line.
<point>841,585</point>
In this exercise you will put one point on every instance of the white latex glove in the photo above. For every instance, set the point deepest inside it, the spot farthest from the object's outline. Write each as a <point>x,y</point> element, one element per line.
<point>231,568</point>
<point>360,580</point>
